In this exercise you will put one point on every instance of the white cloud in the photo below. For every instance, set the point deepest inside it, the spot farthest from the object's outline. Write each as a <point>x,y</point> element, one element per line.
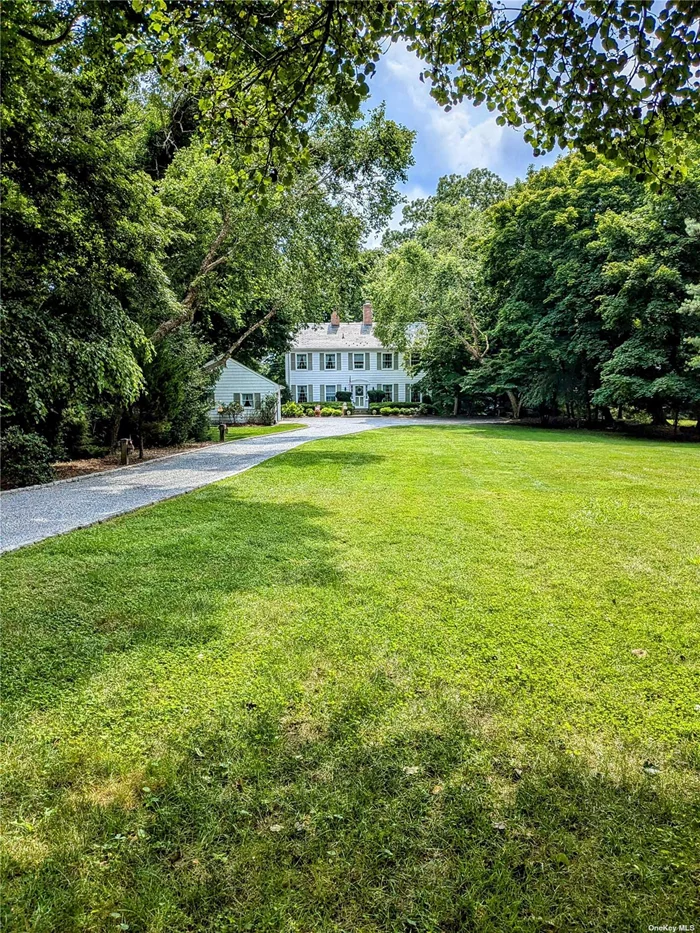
<point>460,139</point>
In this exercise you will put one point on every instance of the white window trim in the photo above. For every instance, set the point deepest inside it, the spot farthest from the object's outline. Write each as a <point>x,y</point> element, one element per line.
<point>391,361</point>
<point>327,357</point>
<point>355,367</point>
<point>299,356</point>
<point>251,396</point>
<point>301,388</point>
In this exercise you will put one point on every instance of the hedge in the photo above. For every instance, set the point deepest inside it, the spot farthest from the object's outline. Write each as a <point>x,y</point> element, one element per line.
<point>377,406</point>
<point>310,406</point>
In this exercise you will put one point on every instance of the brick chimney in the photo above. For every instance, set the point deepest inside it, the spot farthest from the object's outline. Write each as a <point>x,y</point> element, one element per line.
<point>367,313</point>
<point>335,319</point>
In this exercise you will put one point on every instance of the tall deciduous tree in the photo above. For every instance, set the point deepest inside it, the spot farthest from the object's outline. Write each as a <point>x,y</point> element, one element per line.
<point>435,277</point>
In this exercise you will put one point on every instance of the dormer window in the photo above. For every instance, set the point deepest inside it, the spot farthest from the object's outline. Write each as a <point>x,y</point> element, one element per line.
<point>301,361</point>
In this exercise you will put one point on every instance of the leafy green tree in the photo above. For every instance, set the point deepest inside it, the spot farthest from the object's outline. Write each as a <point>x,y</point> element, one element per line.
<point>618,77</point>
<point>82,233</point>
<point>435,277</point>
<point>248,266</point>
<point>589,268</point>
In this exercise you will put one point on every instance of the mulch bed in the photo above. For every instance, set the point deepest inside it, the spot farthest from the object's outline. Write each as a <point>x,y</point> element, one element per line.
<point>68,469</point>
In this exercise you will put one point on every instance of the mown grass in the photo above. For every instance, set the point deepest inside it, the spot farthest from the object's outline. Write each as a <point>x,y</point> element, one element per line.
<point>250,430</point>
<point>385,682</point>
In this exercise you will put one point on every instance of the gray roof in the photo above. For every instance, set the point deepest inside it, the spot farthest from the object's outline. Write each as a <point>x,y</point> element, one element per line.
<point>352,336</point>
<point>342,337</point>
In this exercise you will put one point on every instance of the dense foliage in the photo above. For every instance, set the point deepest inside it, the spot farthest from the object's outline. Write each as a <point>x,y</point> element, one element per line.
<point>133,263</point>
<point>575,72</point>
<point>186,181</point>
<point>575,292</point>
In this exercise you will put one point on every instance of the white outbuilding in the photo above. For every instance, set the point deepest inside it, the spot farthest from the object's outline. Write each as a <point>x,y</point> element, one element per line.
<point>238,383</point>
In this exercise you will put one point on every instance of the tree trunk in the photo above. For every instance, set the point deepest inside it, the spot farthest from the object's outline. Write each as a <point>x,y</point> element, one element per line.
<point>455,407</point>
<point>209,263</point>
<point>515,403</point>
<point>116,424</point>
<point>221,360</point>
<point>141,426</point>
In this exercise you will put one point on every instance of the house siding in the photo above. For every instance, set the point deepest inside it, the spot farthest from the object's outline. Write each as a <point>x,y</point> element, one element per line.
<point>372,377</point>
<point>235,380</point>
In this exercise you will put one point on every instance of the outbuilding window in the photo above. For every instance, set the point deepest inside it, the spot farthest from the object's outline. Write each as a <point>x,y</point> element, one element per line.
<point>247,399</point>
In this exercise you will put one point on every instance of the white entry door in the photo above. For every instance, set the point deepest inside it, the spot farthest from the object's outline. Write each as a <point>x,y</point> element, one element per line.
<point>360,397</point>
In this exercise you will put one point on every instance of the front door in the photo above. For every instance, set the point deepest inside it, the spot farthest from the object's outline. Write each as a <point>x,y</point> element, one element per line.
<point>360,399</point>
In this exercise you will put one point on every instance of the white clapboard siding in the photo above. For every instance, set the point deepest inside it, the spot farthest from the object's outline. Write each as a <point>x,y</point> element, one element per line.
<point>372,377</point>
<point>237,379</point>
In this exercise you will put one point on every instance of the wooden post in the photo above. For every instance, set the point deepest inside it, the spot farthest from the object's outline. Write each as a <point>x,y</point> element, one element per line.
<point>222,432</point>
<point>124,447</point>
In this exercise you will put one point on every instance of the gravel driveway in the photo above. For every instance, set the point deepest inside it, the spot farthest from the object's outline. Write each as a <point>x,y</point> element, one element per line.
<point>30,515</point>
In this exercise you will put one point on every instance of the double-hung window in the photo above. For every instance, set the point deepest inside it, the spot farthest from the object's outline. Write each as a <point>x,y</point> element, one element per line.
<point>358,361</point>
<point>387,360</point>
<point>414,394</point>
<point>247,399</point>
<point>387,390</point>
<point>330,393</point>
<point>330,361</point>
<point>301,361</point>
<point>301,394</point>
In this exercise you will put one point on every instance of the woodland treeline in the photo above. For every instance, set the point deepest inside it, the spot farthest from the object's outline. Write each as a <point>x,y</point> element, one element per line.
<point>135,259</point>
<point>575,292</point>
<point>186,181</point>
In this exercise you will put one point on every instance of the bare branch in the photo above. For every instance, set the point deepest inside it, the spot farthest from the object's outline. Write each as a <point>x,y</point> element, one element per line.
<point>221,360</point>
<point>190,300</point>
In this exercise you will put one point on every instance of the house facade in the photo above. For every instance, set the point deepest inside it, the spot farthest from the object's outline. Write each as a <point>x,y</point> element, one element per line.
<point>238,383</point>
<point>334,357</point>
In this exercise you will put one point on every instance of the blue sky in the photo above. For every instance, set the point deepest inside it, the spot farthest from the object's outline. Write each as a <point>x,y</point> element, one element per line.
<point>467,137</point>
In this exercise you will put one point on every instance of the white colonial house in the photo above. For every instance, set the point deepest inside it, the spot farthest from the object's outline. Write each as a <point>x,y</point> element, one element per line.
<point>334,357</point>
<point>238,383</point>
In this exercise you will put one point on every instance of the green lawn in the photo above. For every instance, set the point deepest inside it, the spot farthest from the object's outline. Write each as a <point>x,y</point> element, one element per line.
<point>250,430</point>
<point>386,682</point>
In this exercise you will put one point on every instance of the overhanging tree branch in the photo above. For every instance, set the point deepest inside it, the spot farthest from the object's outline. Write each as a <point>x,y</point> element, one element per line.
<point>189,302</point>
<point>221,360</point>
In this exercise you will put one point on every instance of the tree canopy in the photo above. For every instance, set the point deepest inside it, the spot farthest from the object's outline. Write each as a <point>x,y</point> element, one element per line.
<point>577,289</point>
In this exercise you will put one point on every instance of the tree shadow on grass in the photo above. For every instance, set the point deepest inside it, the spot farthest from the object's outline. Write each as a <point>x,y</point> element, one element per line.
<point>157,577</point>
<point>559,436</point>
<point>327,819</point>
<point>317,455</point>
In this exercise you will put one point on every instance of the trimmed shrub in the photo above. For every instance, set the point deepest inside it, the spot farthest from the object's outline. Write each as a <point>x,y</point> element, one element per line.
<point>310,407</point>
<point>26,458</point>
<point>407,407</point>
<point>327,412</point>
<point>343,396</point>
<point>336,412</point>
<point>267,413</point>
<point>292,410</point>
